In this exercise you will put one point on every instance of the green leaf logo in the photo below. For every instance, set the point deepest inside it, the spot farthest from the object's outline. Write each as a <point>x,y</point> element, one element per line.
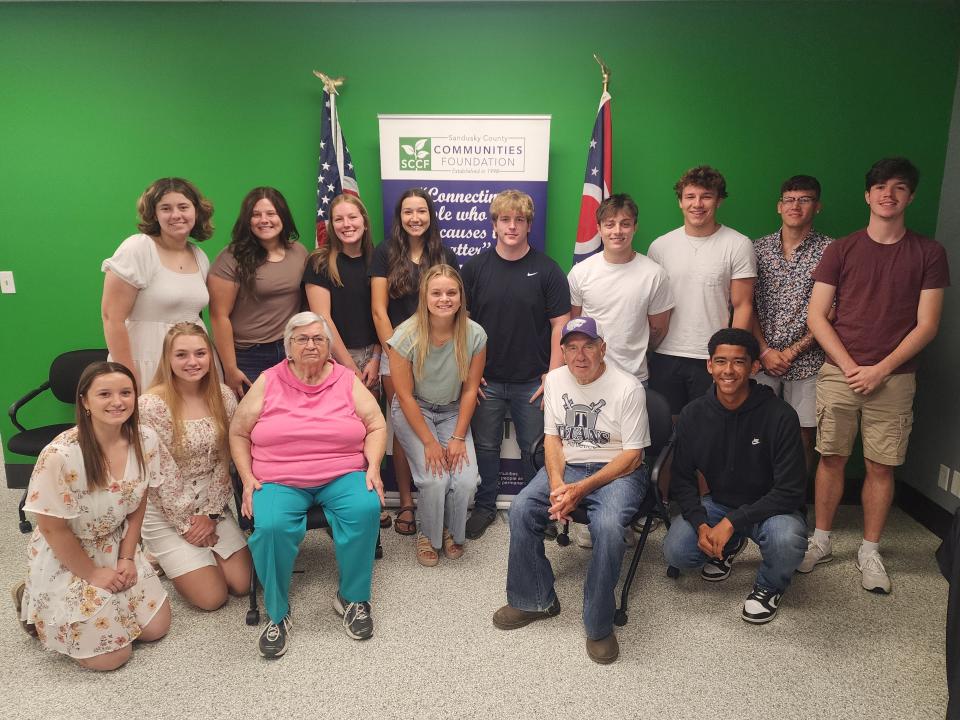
<point>414,153</point>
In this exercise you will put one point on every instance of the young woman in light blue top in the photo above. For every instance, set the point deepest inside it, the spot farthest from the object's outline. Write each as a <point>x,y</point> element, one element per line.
<point>440,355</point>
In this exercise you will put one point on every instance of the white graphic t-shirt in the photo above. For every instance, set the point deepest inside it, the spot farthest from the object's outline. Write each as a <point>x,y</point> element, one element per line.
<point>599,420</point>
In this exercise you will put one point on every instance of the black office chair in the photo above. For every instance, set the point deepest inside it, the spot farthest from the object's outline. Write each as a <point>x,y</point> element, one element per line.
<point>652,507</point>
<point>64,375</point>
<point>316,520</point>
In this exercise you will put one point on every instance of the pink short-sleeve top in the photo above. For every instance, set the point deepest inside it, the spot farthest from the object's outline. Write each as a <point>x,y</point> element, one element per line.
<point>307,435</point>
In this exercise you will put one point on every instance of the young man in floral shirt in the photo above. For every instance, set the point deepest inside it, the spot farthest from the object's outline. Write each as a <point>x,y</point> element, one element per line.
<point>790,356</point>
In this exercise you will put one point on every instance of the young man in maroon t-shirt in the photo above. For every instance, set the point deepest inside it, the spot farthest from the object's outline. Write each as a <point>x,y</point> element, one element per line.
<point>887,282</point>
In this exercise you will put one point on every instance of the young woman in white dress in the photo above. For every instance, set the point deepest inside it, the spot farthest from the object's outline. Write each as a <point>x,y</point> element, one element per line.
<point>157,277</point>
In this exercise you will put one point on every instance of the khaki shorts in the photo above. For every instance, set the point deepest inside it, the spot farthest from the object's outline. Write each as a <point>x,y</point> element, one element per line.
<point>884,417</point>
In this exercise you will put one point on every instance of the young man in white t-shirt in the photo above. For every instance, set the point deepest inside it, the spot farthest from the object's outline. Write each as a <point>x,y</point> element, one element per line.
<point>712,269</point>
<point>595,429</point>
<point>627,293</point>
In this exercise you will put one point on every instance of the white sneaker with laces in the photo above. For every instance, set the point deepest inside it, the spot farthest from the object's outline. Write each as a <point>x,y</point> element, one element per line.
<point>816,554</point>
<point>581,535</point>
<point>875,578</point>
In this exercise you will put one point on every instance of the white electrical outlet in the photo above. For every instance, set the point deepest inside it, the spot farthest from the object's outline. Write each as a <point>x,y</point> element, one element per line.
<point>955,483</point>
<point>944,479</point>
<point>6,282</point>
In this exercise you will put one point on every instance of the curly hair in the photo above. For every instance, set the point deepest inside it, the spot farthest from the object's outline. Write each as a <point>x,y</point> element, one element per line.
<point>399,278</point>
<point>147,207</point>
<point>702,176</point>
<point>244,245</point>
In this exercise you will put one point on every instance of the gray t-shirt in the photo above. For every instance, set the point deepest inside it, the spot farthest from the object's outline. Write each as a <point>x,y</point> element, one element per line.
<point>440,383</point>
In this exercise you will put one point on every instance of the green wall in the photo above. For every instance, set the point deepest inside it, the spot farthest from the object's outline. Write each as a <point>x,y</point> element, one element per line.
<point>97,100</point>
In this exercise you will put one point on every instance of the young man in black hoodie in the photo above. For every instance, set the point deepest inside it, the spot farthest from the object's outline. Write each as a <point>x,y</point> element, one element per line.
<point>746,443</point>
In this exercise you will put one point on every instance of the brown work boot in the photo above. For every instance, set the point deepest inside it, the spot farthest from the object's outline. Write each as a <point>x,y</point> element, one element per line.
<point>510,618</point>
<point>603,651</point>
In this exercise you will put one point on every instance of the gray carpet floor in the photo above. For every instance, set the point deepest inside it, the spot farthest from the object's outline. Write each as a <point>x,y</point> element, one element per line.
<point>834,651</point>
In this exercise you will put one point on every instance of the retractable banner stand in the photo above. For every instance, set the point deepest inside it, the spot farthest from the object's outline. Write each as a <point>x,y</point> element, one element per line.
<point>462,162</point>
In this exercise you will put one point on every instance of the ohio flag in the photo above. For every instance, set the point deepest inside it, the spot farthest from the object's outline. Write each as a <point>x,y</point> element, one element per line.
<point>335,174</point>
<point>597,182</point>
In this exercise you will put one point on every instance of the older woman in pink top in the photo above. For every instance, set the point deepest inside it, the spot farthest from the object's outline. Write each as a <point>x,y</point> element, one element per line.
<point>309,433</point>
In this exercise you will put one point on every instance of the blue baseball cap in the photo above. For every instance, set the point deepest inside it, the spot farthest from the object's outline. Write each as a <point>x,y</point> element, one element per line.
<point>584,325</point>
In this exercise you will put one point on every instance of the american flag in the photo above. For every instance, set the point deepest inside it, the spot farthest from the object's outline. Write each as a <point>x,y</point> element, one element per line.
<point>335,174</point>
<point>597,182</point>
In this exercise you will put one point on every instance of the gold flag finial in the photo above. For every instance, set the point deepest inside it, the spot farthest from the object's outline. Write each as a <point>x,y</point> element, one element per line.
<point>330,84</point>
<point>604,70</point>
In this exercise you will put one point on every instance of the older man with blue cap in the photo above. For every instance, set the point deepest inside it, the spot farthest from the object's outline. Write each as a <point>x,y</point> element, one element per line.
<point>595,429</point>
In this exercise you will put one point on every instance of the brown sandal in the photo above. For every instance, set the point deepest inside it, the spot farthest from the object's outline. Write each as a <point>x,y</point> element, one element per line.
<point>385,519</point>
<point>406,527</point>
<point>426,555</point>
<point>17,593</point>
<point>451,549</point>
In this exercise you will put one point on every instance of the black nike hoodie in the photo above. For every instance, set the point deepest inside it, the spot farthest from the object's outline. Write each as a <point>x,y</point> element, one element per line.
<point>752,458</point>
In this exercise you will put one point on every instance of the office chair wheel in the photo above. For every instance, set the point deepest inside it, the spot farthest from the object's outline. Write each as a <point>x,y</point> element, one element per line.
<point>378,553</point>
<point>620,618</point>
<point>253,617</point>
<point>26,527</point>
<point>563,539</point>
<point>673,572</point>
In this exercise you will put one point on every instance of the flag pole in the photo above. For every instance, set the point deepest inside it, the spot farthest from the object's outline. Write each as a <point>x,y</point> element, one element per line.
<point>598,178</point>
<point>604,70</point>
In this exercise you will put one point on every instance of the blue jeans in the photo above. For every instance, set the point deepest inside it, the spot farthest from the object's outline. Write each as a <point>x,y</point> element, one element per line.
<point>609,509</point>
<point>487,425</point>
<point>254,360</point>
<point>441,501</point>
<point>782,540</point>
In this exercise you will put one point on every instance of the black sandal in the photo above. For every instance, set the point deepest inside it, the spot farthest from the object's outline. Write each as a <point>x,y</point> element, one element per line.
<point>406,527</point>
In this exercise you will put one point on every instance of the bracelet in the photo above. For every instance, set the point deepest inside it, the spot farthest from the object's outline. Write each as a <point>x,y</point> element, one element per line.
<point>458,437</point>
<point>764,353</point>
<point>125,558</point>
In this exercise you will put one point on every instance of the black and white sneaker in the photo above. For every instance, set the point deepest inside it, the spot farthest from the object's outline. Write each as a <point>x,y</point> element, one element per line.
<point>357,620</point>
<point>717,570</point>
<point>761,605</point>
<point>273,639</point>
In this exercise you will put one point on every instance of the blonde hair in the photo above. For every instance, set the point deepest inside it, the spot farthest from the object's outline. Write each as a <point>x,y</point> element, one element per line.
<point>165,387</point>
<point>512,200</point>
<point>421,324</point>
<point>324,258</point>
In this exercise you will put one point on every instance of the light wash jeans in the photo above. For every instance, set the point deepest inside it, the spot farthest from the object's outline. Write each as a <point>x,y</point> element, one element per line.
<point>782,540</point>
<point>441,501</point>
<point>609,508</point>
<point>487,425</point>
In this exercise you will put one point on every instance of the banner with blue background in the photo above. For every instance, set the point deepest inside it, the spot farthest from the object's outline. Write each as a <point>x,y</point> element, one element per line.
<point>462,162</point>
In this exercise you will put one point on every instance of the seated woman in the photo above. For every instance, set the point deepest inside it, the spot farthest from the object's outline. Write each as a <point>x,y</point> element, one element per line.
<point>187,527</point>
<point>89,591</point>
<point>309,433</point>
<point>439,356</point>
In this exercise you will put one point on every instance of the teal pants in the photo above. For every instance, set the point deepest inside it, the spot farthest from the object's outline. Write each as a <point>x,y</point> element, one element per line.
<point>280,522</point>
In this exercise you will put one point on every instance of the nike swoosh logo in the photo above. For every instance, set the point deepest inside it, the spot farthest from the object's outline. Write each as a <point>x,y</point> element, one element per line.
<point>531,274</point>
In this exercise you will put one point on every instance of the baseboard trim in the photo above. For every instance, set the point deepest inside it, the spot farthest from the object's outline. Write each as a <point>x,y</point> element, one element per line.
<point>925,511</point>
<point>917,505</point>
<point>18,475</point>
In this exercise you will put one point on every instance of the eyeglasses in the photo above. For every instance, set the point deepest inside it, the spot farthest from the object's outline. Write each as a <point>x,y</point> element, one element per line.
<point>305,339</point>
<point>805,200</point>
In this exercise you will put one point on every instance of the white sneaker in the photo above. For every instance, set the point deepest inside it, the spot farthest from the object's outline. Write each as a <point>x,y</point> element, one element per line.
<point>875,578</point>
<point>581,535</point>
<point>816,554</point>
